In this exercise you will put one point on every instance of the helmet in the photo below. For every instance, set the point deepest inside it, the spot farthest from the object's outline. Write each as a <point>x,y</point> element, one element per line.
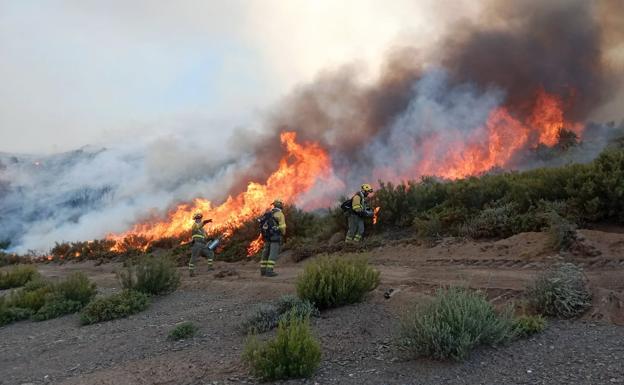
<point>197,215</point>
<point>278,203</point>
<point>367,188</point>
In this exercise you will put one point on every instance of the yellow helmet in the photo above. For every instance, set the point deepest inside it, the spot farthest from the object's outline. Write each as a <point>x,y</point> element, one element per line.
<point>197,215</point>
<point>367,188</point>
<point>278,203</point>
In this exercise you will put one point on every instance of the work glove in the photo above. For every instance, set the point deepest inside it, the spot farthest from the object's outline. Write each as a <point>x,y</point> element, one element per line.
<point>207,221</point>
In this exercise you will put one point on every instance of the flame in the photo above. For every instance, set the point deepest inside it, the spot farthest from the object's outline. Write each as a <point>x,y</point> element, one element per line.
<point>255,246</point>
<point>376,214</point>
<point>298,170</point>
<point>495,144</point>
<point>77,254</point>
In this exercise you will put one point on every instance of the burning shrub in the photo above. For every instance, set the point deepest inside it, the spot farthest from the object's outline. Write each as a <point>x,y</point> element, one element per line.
<point>114,306</point>
<point>151,275</point>
<point>183,331</point>
<point>81,251</point>
<point>18,276</point>
<point>43,300</point>
<point>331,282</point>
<point>452,324</point>
<point>294,352</point>
<point>527,325</point>
<point>267,317</point>
<point>560,292</point>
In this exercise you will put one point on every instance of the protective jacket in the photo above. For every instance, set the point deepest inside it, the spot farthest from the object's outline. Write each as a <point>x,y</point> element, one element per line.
<point>273,225</point>
<point>359,205</point>
<point>198,232</point>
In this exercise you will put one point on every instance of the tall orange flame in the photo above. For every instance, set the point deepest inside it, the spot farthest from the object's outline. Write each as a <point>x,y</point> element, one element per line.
<point>496,144</point>
<point>298,171</point>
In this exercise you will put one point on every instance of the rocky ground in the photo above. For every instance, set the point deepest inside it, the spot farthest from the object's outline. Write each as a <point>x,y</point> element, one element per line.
<point>357,340</point>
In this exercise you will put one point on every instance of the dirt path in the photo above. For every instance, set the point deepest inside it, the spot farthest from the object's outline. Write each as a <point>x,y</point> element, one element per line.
<point>356,340</point>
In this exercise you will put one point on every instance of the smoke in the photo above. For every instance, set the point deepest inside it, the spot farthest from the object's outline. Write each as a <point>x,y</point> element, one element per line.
<point>88,193</point>
<point>424,105</point>
<point>502,59</point>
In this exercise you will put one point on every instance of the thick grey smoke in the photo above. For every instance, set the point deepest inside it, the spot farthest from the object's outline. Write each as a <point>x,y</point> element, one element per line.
<point>372,131</point>
<point>88,193</point>
<point>508,55</point>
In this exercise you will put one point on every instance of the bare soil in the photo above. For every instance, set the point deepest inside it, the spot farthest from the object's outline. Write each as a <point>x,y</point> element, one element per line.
<point>357,340</point>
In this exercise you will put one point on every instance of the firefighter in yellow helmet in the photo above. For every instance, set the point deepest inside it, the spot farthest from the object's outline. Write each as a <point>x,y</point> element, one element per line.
<point>273,228</point>
<point>357,211</point>
<point>200,243</point>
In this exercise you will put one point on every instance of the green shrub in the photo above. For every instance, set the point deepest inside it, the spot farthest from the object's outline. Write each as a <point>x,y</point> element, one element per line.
<point>294,352</point>
<point>55,305</point>
<point>183,331</point>
<point>452,324</point>
<point>330,282</point>
<point>494,221</point>
<point>114,306</point>
<point>17,276</point>
<point>13,314</point>
<point>42,300</point>
<point>560,292</point>
<point>267,316</point>
<point>527,325</point>
<point>151,275</point>
<point>76,288</point>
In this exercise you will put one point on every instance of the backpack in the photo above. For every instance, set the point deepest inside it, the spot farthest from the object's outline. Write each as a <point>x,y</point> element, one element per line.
<point>347,206</point>
<point>268,224</point>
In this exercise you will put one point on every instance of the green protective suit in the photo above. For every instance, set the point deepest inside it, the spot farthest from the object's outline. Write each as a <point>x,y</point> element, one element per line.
<point>200,247</point>
<point>355,220</point>
<point>272,244</point>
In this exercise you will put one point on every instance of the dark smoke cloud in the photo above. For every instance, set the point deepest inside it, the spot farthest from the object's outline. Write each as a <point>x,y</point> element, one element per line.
<point>514,49</point>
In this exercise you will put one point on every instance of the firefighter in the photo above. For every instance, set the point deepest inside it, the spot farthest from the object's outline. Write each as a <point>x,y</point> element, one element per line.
<point>199,243</point>
<point>358,210</point>
<point>273,228</point>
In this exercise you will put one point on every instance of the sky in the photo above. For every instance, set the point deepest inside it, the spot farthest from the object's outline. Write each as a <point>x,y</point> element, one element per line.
<point>76,73</point>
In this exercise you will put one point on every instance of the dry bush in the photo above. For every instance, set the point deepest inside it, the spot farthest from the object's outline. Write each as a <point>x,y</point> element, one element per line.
<point>561,291</point>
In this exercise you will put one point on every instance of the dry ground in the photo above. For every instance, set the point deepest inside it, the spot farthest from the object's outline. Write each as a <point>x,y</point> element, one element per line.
<point>357,340</point>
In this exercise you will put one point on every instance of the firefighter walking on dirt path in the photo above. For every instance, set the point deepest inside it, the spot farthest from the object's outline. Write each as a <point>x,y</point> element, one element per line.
<point>200,243</point>
<point>357,209</point>
<point>273,229</point>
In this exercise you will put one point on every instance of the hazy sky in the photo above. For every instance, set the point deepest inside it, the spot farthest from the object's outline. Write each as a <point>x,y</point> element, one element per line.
<point>94,72</point>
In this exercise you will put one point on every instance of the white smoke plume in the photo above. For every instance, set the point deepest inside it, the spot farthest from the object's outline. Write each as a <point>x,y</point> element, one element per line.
<point>88,193</point>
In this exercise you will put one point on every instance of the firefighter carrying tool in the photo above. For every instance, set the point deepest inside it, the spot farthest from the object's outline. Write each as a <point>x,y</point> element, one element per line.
<point>200,246</point>
<point>357,209</point>
<point>273,229</point>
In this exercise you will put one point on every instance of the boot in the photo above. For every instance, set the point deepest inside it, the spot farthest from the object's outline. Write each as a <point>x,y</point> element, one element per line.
<point>191,273</point>
<point>263,271</point>
<point>270,273</point>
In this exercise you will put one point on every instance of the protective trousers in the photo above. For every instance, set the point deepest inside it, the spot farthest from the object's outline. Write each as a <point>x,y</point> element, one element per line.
<point>200,248</point>
<point>270,251</point>
<point>356,228</point>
